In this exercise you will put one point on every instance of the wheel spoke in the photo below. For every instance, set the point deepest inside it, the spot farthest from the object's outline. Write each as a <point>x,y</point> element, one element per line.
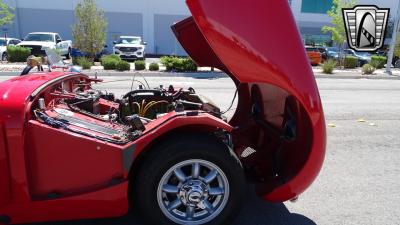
<point>170,189</point>
<point>196,170</point>
<point>208,206</point>
<point>193,191</point>
<point>189,212</point>
<point>175,204</point>
<point>211,176</point>
<point>216,191</point>
<point>180,175</point>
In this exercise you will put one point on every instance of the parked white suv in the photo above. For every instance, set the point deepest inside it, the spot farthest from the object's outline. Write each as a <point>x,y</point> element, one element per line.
<point>130,48</point>
<point>4,42</point>
<point>38,41</point>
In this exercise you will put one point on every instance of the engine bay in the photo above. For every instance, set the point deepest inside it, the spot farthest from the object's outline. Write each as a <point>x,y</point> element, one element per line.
<point>76,107</point>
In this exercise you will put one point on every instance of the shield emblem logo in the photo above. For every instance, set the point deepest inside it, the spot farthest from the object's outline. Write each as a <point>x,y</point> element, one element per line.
<point>365,27</point>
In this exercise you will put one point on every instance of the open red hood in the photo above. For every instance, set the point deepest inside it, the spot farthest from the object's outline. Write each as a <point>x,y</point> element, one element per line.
<point>253,42</point>
<point>258,45</point>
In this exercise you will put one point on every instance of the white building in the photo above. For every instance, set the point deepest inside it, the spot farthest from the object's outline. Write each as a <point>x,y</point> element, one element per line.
<point>150,18</point>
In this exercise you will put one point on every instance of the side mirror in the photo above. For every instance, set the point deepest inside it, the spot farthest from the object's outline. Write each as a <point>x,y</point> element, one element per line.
<point>58,41</point>
<point>105,46</point>
<point>114,42</point>
<point>22,39</point>
<point>144,43</point>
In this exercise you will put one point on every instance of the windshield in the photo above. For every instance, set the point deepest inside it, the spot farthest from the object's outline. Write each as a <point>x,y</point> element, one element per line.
<point>311,49</point>
<point>39,37</point>
<point>132,40</point>
<point>3,42</point>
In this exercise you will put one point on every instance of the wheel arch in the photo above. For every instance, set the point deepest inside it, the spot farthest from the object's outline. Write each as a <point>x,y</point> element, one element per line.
<point>149,149</point>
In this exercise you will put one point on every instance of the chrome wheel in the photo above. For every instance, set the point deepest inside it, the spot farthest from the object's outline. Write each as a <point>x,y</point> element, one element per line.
<point>193,192</point>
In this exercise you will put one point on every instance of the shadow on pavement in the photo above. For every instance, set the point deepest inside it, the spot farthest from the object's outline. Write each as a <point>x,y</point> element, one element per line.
<point>259,212</point>
<point>202,75</point>
<point>255,212</point>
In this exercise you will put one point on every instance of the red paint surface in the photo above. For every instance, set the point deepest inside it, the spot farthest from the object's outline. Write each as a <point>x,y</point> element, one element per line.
<point>257,35</point>
<point>84,174</point>
<point>252,41</point>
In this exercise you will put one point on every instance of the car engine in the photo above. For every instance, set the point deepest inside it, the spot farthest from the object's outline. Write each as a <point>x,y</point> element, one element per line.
<point>98,114</point>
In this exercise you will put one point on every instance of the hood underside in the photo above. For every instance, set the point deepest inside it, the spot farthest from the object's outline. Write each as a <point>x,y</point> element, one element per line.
<point>252,47</point>
<point>259,46</point>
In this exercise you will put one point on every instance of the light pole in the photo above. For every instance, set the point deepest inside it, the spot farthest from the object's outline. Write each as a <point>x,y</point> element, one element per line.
<point>393,43</point>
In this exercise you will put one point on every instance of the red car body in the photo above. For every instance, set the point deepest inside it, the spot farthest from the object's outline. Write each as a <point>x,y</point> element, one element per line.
<point>48,174</point>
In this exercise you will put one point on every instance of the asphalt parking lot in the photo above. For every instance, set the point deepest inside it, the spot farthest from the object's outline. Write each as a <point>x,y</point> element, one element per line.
<point>359,183</point>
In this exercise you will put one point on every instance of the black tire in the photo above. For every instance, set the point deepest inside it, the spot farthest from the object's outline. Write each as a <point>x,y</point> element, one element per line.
<point>397,64</point>
<point>68,56</point>
<point>175,151</point>
<point>4,57</point>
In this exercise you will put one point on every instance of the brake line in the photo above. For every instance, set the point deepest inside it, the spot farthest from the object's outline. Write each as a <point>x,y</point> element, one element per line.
<point>233,101</point>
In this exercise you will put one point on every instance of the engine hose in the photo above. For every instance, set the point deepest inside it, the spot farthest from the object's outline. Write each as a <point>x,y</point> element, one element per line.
<point>143,106</point>
<point>150,105</point>
<point>138,107</point>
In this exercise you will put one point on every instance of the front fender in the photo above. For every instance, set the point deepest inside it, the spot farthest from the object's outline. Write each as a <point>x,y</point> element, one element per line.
<point>5,191</point>
<point>174,121</point>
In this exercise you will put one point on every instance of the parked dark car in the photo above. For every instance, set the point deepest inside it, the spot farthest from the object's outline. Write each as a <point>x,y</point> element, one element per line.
<point>324,53</point>
<point>395,61</point>
<point>363,57</point>
<point>76,53</point>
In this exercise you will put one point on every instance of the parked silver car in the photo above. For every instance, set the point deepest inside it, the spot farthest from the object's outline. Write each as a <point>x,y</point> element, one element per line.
<point>4,42</point>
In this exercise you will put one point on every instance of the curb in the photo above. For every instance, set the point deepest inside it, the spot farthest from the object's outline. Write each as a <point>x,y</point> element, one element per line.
<point>216,75</point>
<point>356,76</point>
<point>198,75</point>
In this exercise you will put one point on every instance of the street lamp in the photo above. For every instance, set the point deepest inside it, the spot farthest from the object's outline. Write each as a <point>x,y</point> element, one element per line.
<point>393,43</point>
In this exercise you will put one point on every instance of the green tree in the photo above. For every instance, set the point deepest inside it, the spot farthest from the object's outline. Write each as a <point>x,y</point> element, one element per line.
<point>338,30</point>
<point>6,14</point>
<point>90,28</point>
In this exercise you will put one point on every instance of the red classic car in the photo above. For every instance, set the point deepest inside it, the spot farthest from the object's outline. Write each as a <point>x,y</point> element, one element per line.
<point>69,151</point>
